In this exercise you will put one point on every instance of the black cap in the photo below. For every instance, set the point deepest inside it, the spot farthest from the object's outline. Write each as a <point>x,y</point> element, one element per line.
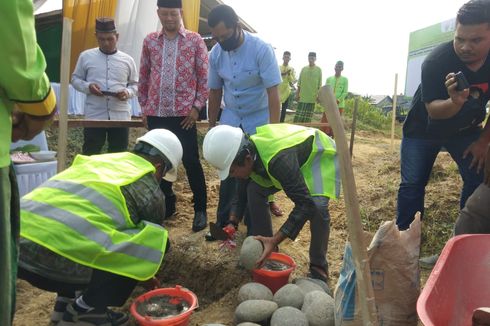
<point>340,63</point>
<point>312,54</point>
<point>105,25</point>
<point>169,4</point>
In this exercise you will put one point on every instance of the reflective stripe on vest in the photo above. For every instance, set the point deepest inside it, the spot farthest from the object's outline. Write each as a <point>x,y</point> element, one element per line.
<point>91,195</point>
<point>320,171</point>
<point>81,214</point>
<point>81,225</point>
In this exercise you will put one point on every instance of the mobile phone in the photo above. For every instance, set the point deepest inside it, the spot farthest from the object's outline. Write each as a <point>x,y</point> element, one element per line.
<point>109,93</point>
<point>462,83</point>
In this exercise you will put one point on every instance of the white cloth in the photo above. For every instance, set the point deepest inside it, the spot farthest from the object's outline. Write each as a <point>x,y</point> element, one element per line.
<point>134,20</point>
<point>32,175</point>
<point>111,72</point>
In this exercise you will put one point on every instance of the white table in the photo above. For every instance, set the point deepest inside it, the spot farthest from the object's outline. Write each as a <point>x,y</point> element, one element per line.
<point>32,175</point>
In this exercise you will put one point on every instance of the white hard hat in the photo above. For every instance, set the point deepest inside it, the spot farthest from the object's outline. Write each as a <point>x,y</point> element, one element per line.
<point>166,142</point>
<point>221,146</point>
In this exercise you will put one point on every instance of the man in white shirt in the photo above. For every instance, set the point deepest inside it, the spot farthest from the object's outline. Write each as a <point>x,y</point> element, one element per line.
<point>109,78</point>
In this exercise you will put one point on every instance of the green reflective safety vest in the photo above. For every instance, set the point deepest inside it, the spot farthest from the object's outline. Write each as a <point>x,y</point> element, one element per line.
<point>320,170</point>
<point>81,214</point>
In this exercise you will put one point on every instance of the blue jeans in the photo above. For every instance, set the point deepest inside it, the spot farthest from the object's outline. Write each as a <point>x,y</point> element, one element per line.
<point>417,158</point>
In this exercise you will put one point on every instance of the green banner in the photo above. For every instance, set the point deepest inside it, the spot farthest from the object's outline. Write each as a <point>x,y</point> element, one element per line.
<point>421,43</point>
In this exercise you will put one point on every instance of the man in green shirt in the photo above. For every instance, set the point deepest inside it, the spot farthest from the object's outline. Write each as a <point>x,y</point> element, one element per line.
<point>340,88</point>
<point>310,81</point>
<point>27,105</point>
<point>288,76</point>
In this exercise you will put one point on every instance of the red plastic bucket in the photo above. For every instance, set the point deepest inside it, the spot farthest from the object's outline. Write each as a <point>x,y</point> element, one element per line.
<point>180,320</point>
<point>275,280</point>
<point>459,282</point>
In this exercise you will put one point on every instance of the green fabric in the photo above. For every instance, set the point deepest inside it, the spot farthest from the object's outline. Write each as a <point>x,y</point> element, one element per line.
<point>310,81</point>
<point>22,76</point>
<point>104,174</point>
<point>319,171</point>
<point>340,88</point>
<point>49,39</point>
<point>288,78</point>
<point>6,260</point>
<point>9,230</point>
<point>304,112</point>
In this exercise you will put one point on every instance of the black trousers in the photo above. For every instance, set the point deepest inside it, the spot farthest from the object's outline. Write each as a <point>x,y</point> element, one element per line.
<point>284,107</point>
<point>190,159</point>
<point>94,139</point>
<point>104,289</point>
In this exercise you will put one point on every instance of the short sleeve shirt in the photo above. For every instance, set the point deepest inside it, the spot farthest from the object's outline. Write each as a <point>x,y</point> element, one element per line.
<point>440,62</point>
<point>244,74</point>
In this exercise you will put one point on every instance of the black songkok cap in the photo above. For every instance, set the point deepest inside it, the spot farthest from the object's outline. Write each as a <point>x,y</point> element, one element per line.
<point>105,25</point>
<point>312,54</point>
<point>169,4</point>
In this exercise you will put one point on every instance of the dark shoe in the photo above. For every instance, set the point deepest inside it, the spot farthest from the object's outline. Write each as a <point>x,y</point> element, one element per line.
<point>59,308</point>
<point>170,205</point>
<point>318,272</point>
<point>108,318</point>
<point>209,237</point>
<point>200,221</point>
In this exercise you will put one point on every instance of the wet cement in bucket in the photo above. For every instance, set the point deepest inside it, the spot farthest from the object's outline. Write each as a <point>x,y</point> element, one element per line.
<point>275,265</point>
<point>162,306</point>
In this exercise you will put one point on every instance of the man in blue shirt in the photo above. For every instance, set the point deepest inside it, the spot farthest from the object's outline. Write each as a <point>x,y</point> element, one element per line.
<point>244,70</point>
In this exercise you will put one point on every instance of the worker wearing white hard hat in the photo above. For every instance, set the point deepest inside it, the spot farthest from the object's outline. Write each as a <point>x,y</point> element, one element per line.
<point>96,228</point>
<point>301,161</point>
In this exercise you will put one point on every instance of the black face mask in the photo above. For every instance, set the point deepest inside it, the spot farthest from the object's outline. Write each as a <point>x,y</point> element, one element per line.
<point>232,42</point>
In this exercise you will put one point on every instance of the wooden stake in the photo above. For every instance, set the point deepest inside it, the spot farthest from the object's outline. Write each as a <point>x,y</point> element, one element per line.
<point>353,129</point>
<point>359,251</point>
<point>393,117</point>
<point>64,93</point>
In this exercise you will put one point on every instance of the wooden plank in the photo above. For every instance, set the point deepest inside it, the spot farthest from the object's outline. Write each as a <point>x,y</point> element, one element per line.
<point>354,122</point>
<point>64,85</point>
<point>74,123</point>
<point>354,225</point>
<point>393,117</point>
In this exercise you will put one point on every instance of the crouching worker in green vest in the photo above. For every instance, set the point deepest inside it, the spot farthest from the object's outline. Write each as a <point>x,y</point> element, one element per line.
<point>301,161</point>
<point>95,228</point>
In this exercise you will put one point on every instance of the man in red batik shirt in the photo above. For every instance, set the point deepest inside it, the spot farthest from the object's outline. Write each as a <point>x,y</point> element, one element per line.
<point>172,91</point>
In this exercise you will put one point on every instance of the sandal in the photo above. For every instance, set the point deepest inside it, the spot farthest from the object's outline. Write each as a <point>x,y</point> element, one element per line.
<point>318,272</point>
<point>275,210</point>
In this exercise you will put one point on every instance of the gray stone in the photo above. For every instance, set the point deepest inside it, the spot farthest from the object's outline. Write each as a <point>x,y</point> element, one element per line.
<point>319,309</point>
<point>289,295</point>
<point>288,316</point>
<point>255,311</point>
<point>254,291</point>
<point>213,325</point>
<point>319,282</point>
<point>248,324</point>
<point>250,252</point>
<point>307,285</point>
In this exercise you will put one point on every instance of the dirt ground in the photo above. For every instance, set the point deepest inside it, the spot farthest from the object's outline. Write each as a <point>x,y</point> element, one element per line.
<point>213,273</point>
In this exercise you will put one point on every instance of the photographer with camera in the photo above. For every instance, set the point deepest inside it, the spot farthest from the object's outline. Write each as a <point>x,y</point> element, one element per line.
<point>445,115</point>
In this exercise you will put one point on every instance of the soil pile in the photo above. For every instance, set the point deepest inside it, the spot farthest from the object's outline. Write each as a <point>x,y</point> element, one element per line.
<point>212,271</point>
